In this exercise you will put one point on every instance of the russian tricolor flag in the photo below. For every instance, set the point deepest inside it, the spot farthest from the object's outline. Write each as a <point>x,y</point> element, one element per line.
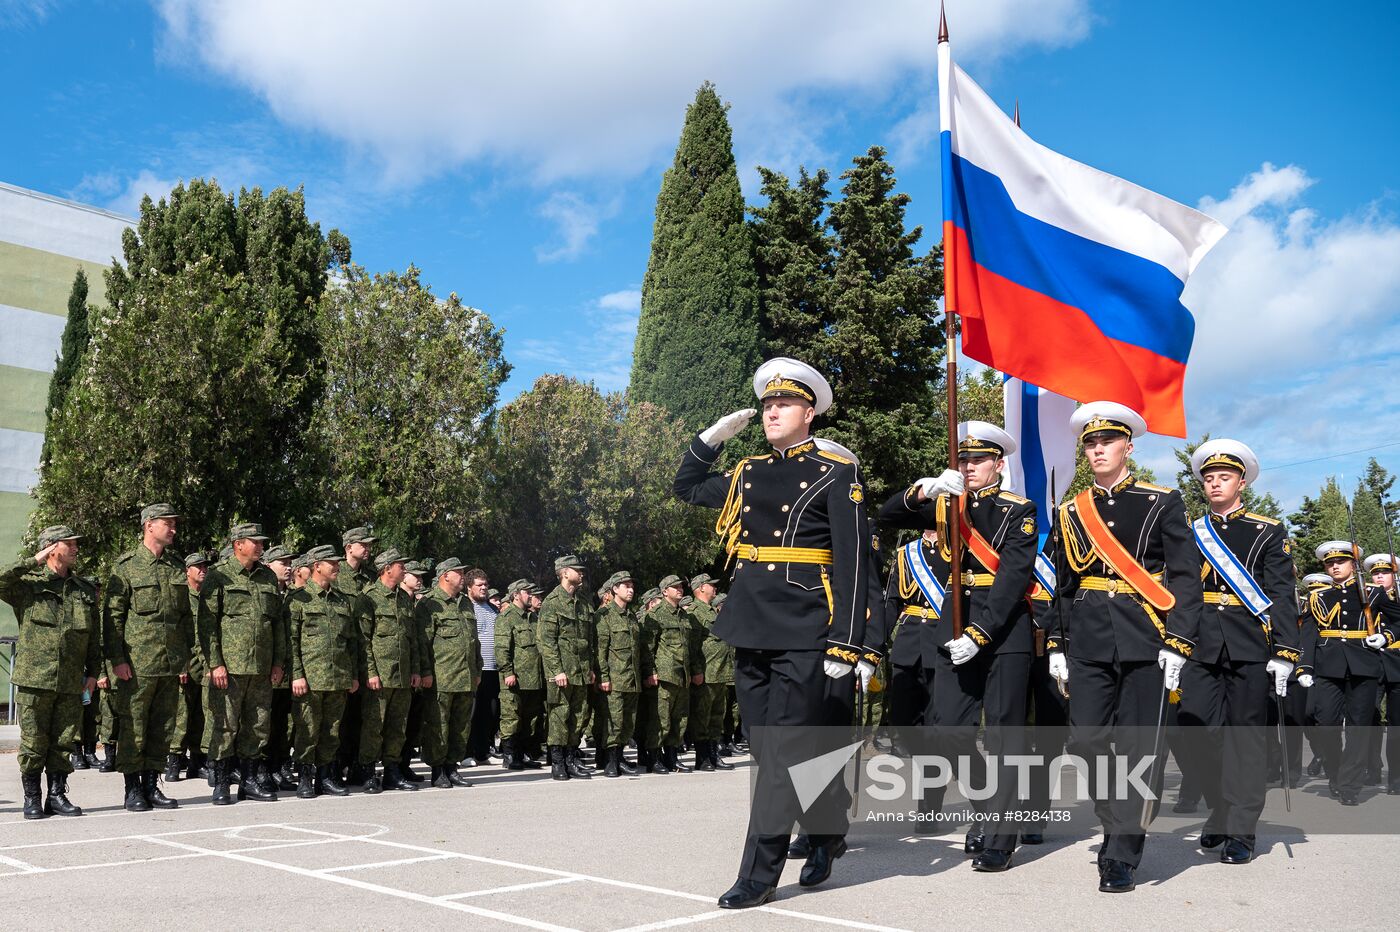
<point>1064,276</point>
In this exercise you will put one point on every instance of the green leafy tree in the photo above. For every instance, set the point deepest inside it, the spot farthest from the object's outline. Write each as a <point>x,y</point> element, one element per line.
<point>1378,481</point>
<point>410,384</point>
<point>200,375</point>
<point>1316,521</point>
<point>1194,493</point>
<point>573,470</point>
<point>698,338</point>
<point>1369,519</point>
<point>73,344</point>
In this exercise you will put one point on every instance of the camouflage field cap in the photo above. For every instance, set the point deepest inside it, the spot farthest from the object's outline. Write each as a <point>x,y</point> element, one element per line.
<point>273,554</point>
<point>651,594</point>
<point>719,600</point>
<point>158,510</point>
<point>323,553</point>
<point>451,563</point>
<point>358,535</point>
<point>389,556</point>
<point>250,530</point>
<point>55,533</point>
<point>198,558</point>
<point>703,579</point>
<point>669,581</point>
<point>568,561</point>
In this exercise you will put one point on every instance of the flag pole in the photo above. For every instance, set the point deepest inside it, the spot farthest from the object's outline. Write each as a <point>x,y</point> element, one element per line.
<point>949,333</point>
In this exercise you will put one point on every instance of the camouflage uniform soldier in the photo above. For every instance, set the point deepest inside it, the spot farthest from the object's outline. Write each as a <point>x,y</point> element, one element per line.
<point>648,727</point>
<point>445,615</point>
<point>564,635</point>
<point>57,658</point>
<point>325,663</point>
<point>539,725</point>
<point>620,671</point>
<point>188,736</point>
<point>391,665</point>
<point>243,643</point>
<point>522,676</point>
<point>356,572</point>
<point>278,771</point>
<point>717,659</point>
<point>147,635</point>
<point>412,585</point>
<point>678,667</point>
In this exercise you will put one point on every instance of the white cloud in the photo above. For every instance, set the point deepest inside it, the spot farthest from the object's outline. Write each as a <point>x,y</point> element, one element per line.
<point>1297,333</point>
<point>122,194</point>
<point>600,351</point>
<point>628,300</point>
<point>17,14</point>
<point>577,220</point>
<point>558,89</point>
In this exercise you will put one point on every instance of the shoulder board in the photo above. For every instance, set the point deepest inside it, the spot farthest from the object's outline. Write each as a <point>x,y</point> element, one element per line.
<point>126,557</point>
<point>832,456</point>
<point>1013,497</point>
<point>1155,488</point>
<point>1263,519</point>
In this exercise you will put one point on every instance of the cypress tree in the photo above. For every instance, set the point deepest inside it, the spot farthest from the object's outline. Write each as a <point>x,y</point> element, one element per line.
<point>70,353</point>
<point>1317,520</point>
<point>697,338</point>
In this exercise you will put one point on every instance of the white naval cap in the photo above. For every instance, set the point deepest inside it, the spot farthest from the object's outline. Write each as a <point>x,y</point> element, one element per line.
<point>782,376</point>
<point>981,437</point>
<point>831,446</point>
<point>1096,416</point>
<point>1336,548</point>
<point>1225,452</point>
<point>1317,579</point>
<point>1383,561</point>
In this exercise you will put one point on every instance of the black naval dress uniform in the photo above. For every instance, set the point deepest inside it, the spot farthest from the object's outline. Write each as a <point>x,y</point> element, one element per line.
<point>1047,713</point>
<point>1390,690</point>
<point>1113,637</point>
<point>1225,690</point>
<point>915,643</point>
<point>794,524</point>
<point>1346,678</point>
<point>992,685</point>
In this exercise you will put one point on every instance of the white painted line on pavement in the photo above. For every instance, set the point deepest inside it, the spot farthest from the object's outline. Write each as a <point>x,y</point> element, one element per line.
<point>24,866</point>
<point>374,864</point>
<point>553,881</point>
<point>682,921</point>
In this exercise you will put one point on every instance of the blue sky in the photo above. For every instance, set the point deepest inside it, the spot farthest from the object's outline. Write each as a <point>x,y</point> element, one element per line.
<point>514,151</point>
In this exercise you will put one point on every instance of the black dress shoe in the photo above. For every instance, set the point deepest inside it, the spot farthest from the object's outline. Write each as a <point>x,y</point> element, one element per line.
<point>992,861</point>
<point>1117,877</point>
<point>1393,789</point>
<point>818,866</point>
<point>974,843</point>
<point>1032,838</point>
<point>1315,767</point>
<point>1236,851</point>
<point>1348,798</point>
<point>800,848</point>
<point>1185,804</point>
<point>746,894</point>
<point>1211,840</point>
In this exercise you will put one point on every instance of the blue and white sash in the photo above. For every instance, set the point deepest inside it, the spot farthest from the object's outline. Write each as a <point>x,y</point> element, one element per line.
<point>1229,567</point>
<point>928,583</point>
<point>1044,573</point>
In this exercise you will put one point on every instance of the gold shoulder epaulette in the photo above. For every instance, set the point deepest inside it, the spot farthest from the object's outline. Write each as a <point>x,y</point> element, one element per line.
<point>832,456</point>
<point>1265,519</point>
<point>1155,488</point>
<point>1013,497</point>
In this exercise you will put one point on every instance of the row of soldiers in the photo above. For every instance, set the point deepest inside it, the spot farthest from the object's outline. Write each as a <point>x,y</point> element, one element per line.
<point>273,671</point>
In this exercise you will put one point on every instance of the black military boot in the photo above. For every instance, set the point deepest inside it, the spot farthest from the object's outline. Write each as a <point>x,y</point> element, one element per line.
<point>406,768</point>
<point>109,759</point>
<point>306,781</point>
<point>330,781</point>
<point>34,807</point>
<point>703,761</point>
<point>610,768</point>
<point>174,765</point>
<point>371,786</point>
<point>150,788</point>
<point>557,768</point>
<point>455,778</point>
<point>266,779</point>
<point>90,756</point>
<point>658,761</point>
<point>135,800</point>
<point>249,787</point>
<point>673,757</point>
<point>393,778</point>
<point>626,769</point>
<point>219,773</point>
<point>77,759</point>
<point>199,766</point>
<point>574,763</point>
<point>717,760</point>
<point>287,776</point>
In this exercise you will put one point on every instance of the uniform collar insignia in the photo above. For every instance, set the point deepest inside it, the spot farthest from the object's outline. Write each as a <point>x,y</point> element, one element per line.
<point>1101,491</point>
<point>797,449</point>
<point>989,491</point>
<point>1231,516</point>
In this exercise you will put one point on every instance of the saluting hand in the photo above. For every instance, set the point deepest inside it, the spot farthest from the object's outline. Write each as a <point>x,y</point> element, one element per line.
<point>43,555</point>
<point>727,427</point>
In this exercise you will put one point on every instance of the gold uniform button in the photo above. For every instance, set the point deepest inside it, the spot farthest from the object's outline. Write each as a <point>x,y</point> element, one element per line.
<point>772,567</point>
<point>802,485</point>
<point>786,507</point>
<point>777,533</point>
<point>746,507</point>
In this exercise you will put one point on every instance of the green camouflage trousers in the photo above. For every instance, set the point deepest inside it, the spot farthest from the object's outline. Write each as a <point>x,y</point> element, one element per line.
<point>111,722</point>
<point>146,707</point>
<point>383,724</point>
<point>447,722</point>
<point>622,718</point>
<point>708,703</point>
<point>48,726</point>
<point>566,705</point>
<point>672,705</point>
<point>521,710</point>
<point>318,715</point>
<point>240,717</point>
<point>188,734</point>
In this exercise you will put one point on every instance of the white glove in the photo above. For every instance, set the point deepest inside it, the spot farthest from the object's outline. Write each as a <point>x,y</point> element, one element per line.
<point>727,427</point>
<point>1280,671</point>
<point>1059,668</point>
<point>962,649</point>
<point>951,482</point>
<point>835,669</point>
<point>1305,680</point>
<point>1171,663</point>
<point>1376,641</point>
<point>864,671</point>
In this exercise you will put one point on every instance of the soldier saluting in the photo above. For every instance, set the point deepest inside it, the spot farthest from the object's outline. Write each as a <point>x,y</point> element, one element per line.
<point>1240,652</point>
<point>793,522</point>
<point>1132,604</point>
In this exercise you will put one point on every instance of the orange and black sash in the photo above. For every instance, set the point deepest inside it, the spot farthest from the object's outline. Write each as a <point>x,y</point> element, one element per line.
<point>1117,557</point>
<point>980,547</point>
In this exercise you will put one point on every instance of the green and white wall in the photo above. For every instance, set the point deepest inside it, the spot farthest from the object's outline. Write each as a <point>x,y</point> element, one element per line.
<point>43,242</point>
